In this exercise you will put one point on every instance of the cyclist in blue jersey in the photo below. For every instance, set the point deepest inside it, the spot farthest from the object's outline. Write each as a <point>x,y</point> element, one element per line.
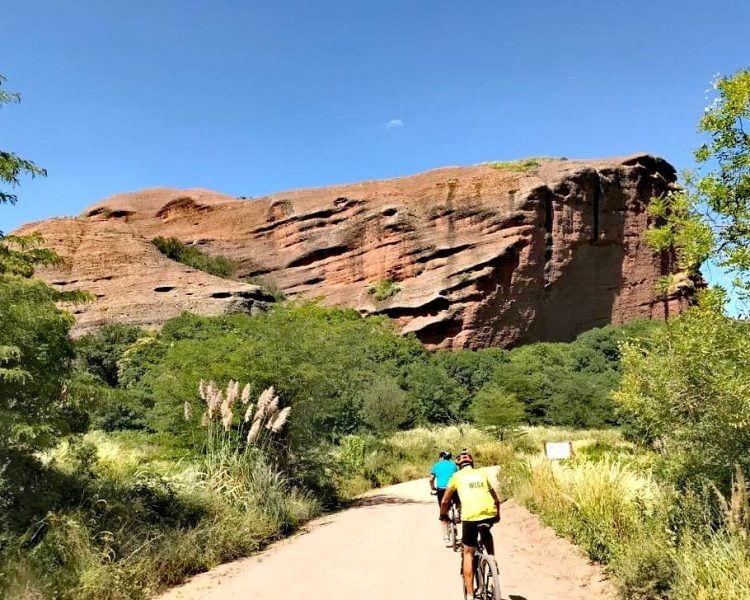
<point>440,475</point>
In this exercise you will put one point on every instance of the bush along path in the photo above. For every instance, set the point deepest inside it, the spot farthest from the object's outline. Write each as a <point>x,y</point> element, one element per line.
<point>389,546</point>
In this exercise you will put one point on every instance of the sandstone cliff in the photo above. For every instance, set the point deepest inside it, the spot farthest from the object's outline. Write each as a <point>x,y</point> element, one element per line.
<point>481,256</point>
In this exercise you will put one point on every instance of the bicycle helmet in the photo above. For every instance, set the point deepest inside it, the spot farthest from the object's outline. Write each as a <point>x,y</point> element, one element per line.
<point>465,458</point>
<point>445,455</point>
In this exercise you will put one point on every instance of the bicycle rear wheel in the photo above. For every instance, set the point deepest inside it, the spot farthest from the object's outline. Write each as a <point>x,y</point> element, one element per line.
<point>488,577</point>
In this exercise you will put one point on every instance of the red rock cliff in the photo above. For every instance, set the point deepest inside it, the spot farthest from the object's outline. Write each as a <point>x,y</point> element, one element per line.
<point>482,256</point>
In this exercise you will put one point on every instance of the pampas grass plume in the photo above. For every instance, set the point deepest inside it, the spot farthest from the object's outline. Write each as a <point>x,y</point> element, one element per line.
<point>245,398</point>
<point>281,419</point>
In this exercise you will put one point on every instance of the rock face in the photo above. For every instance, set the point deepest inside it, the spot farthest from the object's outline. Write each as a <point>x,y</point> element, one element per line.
<point>480,256</point>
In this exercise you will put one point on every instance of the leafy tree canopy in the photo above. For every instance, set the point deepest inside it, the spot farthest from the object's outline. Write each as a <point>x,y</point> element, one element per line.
<point>710,218</point>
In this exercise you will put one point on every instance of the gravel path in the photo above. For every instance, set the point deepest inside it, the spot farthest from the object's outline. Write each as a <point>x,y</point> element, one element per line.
<point>389,546</point>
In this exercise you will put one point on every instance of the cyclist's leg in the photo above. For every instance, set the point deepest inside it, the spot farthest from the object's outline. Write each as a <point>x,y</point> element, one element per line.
<point>487,540</point>
<point>469,570</point>
<point>469,533</point>
<point>443,523</point>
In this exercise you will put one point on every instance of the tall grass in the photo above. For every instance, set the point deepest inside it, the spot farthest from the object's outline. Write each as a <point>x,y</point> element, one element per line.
<point>596,504</point>
<point>361,463</point>
<point>145,520</point>
<point>657,543</point>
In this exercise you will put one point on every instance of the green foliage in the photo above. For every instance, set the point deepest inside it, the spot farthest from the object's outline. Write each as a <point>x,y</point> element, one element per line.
<point>221,266</point>
<point>19,254</point>
<point>567,384</point>
<point>658,542</point>
<point>438,397</point>
<point>709,219</point>
<point>320,361</point>
<point>386,407</point>
<point>472,369</point>
<point>525,164</point>
<point>100,352</point>
<point>12,166</point>
<point>383,289</point>
<point>686,387</point>
<point>498,411</point>
<point>129,523</point>
<point>35,358</point>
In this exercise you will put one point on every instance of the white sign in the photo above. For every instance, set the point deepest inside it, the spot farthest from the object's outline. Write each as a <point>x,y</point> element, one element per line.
<point>558,450</point>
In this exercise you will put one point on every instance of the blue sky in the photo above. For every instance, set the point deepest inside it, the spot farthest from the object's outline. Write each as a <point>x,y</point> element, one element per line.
<point>254,97</point>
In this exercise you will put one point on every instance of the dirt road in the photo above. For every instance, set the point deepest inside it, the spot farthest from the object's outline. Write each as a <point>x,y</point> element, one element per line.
<point>389,547</point>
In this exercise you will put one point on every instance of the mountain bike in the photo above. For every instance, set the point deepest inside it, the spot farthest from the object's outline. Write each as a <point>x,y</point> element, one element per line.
<point>486,573</point>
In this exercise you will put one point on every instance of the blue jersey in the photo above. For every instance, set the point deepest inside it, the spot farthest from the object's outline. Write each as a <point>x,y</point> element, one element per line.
<point>443,470</point>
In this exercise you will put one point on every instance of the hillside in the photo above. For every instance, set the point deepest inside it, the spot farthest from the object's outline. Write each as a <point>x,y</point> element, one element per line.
<point>478,256</point>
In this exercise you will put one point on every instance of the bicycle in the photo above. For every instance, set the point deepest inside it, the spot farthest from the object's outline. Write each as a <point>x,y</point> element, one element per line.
<point>486,573</point>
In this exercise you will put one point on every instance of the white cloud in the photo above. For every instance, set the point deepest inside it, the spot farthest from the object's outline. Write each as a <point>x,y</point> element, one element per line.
<point>394,123</point>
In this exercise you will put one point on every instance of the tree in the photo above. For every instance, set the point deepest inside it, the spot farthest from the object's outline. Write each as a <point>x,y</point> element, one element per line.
<point>19,254</point>
<point>497,410</point>
<point>35,346</point>
<point>35,357</point>
<point>688,387</point>
<point>100,352</point>
<point>709,219</point>
<point>13,166</point>
<point>386,407</point>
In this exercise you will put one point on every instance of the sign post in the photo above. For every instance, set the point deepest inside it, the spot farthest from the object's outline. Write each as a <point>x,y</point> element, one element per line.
<point>558,450</point>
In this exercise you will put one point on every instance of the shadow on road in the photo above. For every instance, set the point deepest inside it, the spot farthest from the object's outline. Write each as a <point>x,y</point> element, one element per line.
<point>516,597</point>
<point>379,499</point>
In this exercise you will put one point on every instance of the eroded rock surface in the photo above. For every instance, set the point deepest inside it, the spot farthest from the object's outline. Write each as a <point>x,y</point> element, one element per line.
<point>482,256</point>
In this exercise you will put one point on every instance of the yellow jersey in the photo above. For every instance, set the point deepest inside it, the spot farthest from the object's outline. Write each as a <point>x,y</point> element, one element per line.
<point>473,487</point>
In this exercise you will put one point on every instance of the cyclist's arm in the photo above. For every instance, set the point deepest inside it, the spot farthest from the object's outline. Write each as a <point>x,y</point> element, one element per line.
<point>445,504</point>
<point>495,497</point>
<point>432,481</point>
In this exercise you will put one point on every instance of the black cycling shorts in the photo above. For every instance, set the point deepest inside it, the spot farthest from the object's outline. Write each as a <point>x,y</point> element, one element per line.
<point>470,531</point>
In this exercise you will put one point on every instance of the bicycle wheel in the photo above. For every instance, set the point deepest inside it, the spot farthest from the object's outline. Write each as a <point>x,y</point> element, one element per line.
<point>489,577</point>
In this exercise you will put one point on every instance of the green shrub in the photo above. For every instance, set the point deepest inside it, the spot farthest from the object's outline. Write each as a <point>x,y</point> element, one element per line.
<point>35,360</point>
<point>140,523</point>
<point>384,289</point>
<point>644,567</point>
<point>686,389</point>
<point>717,567</point>
<point>525,164</point>
<point>221,266</point>
<point>498,411</point>
<point>386,407</point>
<point>99,352</point>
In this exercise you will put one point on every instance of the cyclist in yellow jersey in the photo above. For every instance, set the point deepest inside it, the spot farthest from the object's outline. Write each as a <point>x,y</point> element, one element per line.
<point>479,506</point>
